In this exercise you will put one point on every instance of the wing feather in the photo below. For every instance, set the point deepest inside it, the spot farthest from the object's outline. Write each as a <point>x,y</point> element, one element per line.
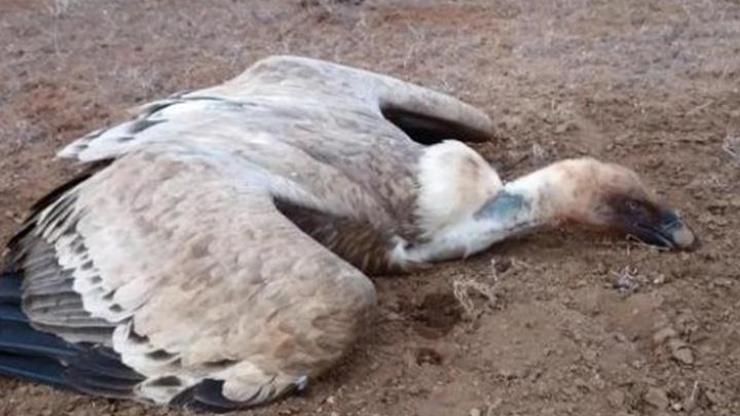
<point>171,274</point>
<point>279,305</point>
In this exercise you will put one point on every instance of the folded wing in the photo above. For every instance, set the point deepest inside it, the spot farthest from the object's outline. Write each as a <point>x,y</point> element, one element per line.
<point>187,277</point>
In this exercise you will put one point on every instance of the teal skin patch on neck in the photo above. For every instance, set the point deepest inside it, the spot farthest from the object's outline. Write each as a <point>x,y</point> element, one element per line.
<point>503,206</point>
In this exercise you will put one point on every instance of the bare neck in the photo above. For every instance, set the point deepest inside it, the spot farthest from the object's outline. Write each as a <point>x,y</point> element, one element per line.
<point>532,201</point>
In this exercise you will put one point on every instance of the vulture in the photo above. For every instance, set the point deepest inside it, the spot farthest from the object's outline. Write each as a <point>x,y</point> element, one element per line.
<point>214,254</point>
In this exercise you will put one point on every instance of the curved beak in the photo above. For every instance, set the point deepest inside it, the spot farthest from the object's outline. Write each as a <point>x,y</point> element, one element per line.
<point>670,232</point>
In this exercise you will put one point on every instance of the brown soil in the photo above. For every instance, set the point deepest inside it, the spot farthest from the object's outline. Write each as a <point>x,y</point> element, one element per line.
<point>651,84</point>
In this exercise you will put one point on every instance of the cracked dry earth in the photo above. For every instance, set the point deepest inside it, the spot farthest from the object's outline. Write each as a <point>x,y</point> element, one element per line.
<point>564,322</point>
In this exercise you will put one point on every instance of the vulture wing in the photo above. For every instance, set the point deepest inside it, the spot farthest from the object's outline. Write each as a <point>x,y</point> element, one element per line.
<point>170,272</point>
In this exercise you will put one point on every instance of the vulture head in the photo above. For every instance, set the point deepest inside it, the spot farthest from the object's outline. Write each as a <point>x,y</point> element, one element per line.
<point>613,197</point>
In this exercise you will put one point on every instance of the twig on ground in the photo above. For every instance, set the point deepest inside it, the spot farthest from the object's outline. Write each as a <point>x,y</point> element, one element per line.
<point>731,146</point>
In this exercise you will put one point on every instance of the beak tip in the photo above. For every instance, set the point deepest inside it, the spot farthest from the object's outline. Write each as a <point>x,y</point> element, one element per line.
<point>685,239</point>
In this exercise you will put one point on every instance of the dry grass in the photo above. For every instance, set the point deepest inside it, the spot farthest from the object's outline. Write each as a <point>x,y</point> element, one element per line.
<point>58,8</point>
<point>465,288</point>
<point>627,279</point>
<point>475,296</point>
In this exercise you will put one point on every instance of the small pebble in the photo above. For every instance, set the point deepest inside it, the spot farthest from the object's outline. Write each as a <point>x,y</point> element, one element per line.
<point>616,399</point>
<point>712,397</point>
<point>663,335</point>
<point>564,127</point>
<point>475,412</point>
<point>657,397</point>
<point>590,355</point>
<point>681,351</point>
<point>684,355</point>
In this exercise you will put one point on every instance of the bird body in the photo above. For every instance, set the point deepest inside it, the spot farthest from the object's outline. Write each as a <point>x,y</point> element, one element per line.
<point>176,257</point>
<point>215,256</point>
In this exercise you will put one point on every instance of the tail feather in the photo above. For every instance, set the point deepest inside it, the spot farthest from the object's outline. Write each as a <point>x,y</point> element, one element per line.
<point>32,354</point>
<point>207,396</point>
<point>104,362</point>
<point>99,384</point>
<point>20,338</point>
<point>39,369</point>
<point>10,289</point>
<point>12,313</point>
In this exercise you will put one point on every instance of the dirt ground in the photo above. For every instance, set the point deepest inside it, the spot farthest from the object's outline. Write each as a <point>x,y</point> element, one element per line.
<point>651,84</point>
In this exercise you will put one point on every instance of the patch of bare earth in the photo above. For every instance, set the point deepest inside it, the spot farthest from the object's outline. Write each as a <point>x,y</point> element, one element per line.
<point>579,324</point>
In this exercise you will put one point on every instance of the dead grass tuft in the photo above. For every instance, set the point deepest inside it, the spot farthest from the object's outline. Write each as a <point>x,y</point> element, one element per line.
<point>627,280</point>
<point>59,8</point>
<point>465,288</point>
<point>539,155</point>
<point>475,296</point>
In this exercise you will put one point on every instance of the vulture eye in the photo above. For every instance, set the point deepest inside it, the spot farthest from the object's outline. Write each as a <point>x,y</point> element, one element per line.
<point>633,206</point>
<point>639,211</point>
